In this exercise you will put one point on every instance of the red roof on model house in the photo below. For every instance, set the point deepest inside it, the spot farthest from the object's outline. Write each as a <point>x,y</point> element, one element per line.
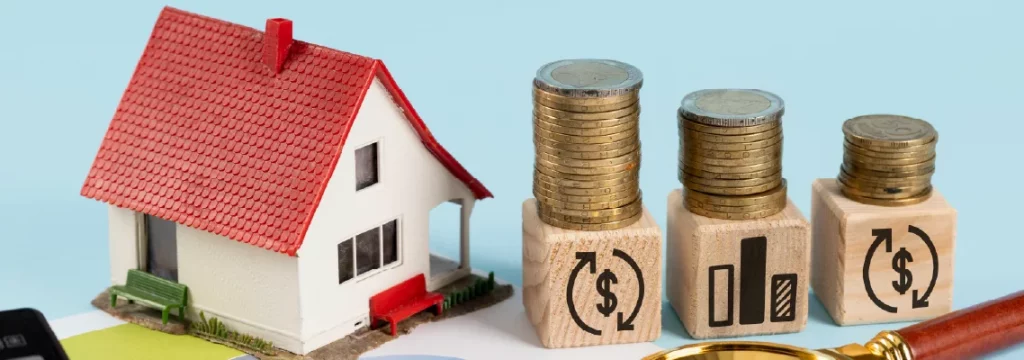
<point>234,131</point>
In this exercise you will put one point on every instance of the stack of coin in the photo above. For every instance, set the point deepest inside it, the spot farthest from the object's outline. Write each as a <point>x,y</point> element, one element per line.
<point>586,136</point>
<point>730,153</point>
<point>888,160</point>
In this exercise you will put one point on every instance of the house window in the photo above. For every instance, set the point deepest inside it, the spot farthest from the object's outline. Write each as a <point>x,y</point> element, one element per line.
<point>368,251</point>
<point>367,166</point>
<point>389,240</point>
<point>345,256</point>
<point>371,250</point>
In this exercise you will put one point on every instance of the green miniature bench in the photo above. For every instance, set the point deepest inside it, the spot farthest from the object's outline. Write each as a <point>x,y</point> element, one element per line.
<point>152,291</point>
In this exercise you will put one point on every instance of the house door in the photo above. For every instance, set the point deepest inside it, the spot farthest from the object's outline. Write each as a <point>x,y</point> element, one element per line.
<point>161,248</point>
<point>445,239</point>
<point>449,245</point>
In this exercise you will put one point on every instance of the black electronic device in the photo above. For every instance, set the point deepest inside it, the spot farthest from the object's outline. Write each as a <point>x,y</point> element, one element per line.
<point>25,335</point>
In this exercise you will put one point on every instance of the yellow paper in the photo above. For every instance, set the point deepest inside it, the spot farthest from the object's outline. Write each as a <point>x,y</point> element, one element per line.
<point>133,342</point>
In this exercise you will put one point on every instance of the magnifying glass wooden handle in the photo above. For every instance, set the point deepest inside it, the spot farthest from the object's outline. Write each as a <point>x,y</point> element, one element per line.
<point>969,332</point>
<point>963,334</point>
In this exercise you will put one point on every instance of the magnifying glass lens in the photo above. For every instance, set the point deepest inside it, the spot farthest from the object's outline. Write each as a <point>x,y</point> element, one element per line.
<point>741,351</point>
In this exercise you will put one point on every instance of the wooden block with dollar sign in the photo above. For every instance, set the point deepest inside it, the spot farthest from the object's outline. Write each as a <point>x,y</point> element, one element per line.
<point>583,288</point>
<point>875,264</point>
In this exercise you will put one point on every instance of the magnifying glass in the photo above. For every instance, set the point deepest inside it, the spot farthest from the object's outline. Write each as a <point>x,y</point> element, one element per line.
<point>962,334</point>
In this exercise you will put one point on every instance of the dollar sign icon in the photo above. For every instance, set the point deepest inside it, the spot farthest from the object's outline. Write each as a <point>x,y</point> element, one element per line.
<point>899,263</point>
<point>604,285</point>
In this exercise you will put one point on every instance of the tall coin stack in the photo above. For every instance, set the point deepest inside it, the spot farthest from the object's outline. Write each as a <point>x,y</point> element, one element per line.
<point>888,160</point>
<point>586,135</point>
<point>730,160</point>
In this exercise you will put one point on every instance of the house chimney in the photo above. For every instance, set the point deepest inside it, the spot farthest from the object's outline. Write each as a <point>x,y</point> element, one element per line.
<point>276,42</point>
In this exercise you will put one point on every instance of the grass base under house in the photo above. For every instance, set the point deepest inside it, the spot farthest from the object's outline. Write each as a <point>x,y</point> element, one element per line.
<point>464,296</point>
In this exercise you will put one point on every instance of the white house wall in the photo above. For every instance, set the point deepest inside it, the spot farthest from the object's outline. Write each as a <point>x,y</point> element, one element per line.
<point>124,245</point>
<point>411,183</point>
<point>253,290</point>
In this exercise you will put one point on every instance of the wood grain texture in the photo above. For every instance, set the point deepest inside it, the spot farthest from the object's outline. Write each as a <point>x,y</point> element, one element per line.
<point>550,258</point>
<point>843,233</point>
<point>696,245</point>
<point>970,332</point>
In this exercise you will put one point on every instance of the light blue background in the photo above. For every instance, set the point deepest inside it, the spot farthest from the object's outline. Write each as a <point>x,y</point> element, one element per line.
<point>467,68</point>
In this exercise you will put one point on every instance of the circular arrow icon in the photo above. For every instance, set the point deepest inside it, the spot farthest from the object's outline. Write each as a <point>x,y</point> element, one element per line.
<point>884,236</point>
<point>590,258</point>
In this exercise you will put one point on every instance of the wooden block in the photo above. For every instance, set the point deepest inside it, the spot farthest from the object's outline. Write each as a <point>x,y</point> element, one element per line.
<point>737,277</point>
<point>907,251</point>
<point>583,288</point>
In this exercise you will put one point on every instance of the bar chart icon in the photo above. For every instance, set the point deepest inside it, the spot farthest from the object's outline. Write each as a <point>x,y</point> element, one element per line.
<point>783,297</point>
<point>754,294</point>
<point>753,261</point>
<point>718,317</point>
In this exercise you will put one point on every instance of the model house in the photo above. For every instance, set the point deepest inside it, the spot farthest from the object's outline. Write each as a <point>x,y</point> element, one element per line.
<point>283,182</point>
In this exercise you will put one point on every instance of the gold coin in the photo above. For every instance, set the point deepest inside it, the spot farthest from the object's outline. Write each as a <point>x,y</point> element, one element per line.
<point>722,130</point>
<point>569,100</point>
<point>893,193</point>
<point>586,104</point>
<point>625,194</point>
<point>588,78</point>
<point>855,170</point>
<point>863,181</point>
<point>923,153</point>
<point>890,187</point>
<point>746,138</point>
<point>689,157</point>
<point>593,170</point>
<point>588,206</point>
<point>540,183</point>
<point>584,220</point>
<point>615,145</point>
<point>883,188</point>
<point>915,199</point>
<point>585,192</point>
<point>910,149</point>
<point>890,162</point>
<point>585,99</point>
<point>888,131</point>
<point>772,164</point>
<point>731,182</point>
<point>884,193</point>
<point>586,155</point>
<point>735,154</point>
<point>877,194</point>
<point>736,209</point>
<point>753,145</point>
<point>732,107</point>
<point>864,164</point>
<point>632,156</point>
<point>588,124</point>
<point>583,116</point>
<point>751,215</point>
<point>628,212</point>
<point>591,227</point>
<point>589,140</point>
<point>746,190</point>
<point>712,175</point>
<point>742,200</point>
<point>608,130</point>
<point>584,184</point>
<point>584,108</point>
<point>544,169</point>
